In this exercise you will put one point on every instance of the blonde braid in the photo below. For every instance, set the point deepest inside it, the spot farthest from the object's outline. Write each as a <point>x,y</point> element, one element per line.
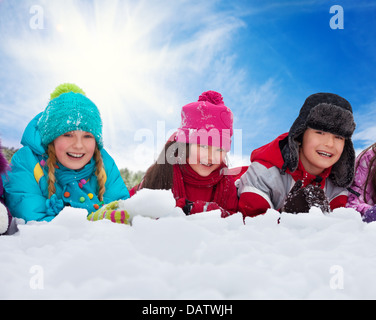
<point>99,173</point>
<point>51,162</point>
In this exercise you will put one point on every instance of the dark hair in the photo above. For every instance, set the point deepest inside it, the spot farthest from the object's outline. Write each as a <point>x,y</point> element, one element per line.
<point>371,176</point>
<point>160,174</point>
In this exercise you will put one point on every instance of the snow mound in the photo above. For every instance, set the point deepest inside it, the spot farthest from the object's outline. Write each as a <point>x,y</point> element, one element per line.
<point>203,256</point>
<point>151,203</point>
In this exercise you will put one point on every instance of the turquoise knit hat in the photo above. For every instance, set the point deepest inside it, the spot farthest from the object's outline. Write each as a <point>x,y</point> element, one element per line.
<point>69,110</point>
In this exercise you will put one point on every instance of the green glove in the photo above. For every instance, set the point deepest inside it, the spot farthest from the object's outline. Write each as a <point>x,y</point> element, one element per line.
<point>111,212</point>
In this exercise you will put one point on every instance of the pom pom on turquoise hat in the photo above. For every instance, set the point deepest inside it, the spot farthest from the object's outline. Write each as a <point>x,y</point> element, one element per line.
<point>69,110</point>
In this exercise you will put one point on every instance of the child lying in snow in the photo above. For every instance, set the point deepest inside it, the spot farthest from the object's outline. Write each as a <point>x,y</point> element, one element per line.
<point>193,162</point>
<point>317,151</point>
<point>63,162</point>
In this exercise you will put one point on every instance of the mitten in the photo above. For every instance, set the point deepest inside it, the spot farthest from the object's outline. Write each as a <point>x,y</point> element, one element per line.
<point>190,207</point>
<point>54,205</point>
<point>185,205</point>
<point>316,197</point>
<point>4,219</point>
<point>370,215</point>
<point>302,199</point>
<point>214,206</point>
<point>199,206</point>
<point>110,212</point>
<point>296,201</point>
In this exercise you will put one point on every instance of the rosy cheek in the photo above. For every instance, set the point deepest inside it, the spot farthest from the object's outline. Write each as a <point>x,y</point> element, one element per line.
<point>195,158</point>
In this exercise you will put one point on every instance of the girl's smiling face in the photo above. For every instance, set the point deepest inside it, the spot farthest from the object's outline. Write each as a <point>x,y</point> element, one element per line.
<point>320,150</point>
<point>75,149</point>
<point>205,159</point>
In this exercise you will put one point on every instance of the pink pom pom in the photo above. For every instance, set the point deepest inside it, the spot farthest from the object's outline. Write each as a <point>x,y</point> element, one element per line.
<point>212,97</point>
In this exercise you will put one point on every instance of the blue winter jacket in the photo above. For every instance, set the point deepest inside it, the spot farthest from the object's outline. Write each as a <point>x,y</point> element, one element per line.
<point>26,184</point>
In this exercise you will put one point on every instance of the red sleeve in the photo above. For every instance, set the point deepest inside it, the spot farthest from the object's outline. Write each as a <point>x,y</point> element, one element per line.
<point>134,190</point>
<point>252,204</point>
<point>338,202</point>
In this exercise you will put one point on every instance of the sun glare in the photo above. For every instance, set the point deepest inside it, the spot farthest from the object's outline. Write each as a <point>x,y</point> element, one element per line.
<point>135,59</point>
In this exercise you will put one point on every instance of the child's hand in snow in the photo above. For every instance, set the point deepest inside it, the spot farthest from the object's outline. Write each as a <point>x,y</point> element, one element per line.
<point>301,199</point>
<point>370,215</point>
<point>192,207</point>
<point>110,212</point>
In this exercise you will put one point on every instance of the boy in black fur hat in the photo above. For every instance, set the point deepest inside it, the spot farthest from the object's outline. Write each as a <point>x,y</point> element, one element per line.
<point>311,165</point>
<point>5,217</point>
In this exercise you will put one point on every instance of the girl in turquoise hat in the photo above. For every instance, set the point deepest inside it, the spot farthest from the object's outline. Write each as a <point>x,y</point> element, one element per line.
<point>63,162</point>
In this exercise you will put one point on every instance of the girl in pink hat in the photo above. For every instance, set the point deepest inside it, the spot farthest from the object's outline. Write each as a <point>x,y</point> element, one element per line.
<point>193,162</point>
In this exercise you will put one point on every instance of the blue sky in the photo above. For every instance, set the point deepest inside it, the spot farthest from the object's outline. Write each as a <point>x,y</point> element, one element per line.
<point>141,61</point>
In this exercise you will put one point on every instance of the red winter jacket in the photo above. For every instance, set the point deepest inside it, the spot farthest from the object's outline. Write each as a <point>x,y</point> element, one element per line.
<point>194,193</point>
<point>265,185</point>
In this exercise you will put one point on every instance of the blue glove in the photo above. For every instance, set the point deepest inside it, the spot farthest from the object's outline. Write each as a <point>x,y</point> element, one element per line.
<point>54,205</point>
<point>370,215</point>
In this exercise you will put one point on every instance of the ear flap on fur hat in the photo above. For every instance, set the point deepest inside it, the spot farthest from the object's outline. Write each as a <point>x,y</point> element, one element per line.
<point>330,113</point>
<point>342,173</point>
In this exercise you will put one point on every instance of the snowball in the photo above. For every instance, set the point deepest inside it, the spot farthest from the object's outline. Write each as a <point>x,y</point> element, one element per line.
<point>151,203</point>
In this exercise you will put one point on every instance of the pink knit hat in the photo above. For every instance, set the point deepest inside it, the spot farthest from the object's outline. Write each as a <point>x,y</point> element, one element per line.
<point>207,122</point>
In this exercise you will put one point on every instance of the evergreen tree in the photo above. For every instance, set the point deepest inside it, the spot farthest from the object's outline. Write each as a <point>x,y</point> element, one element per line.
<point>131,178</point>
<point>8,152</point>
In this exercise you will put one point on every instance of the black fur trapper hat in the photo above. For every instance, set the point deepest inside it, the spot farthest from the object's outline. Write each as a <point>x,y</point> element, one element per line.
<point>330,113</point>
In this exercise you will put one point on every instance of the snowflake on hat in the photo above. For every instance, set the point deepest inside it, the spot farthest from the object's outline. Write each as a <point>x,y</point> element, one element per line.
<point>69,110</point>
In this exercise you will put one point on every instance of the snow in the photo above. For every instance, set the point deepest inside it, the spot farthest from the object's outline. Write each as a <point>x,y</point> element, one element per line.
<point>4,220</point>
<point>203,256</point>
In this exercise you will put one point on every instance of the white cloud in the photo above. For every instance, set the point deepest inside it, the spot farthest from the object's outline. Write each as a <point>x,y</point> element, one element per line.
<point>139,61</point>
<point>365,133</point>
